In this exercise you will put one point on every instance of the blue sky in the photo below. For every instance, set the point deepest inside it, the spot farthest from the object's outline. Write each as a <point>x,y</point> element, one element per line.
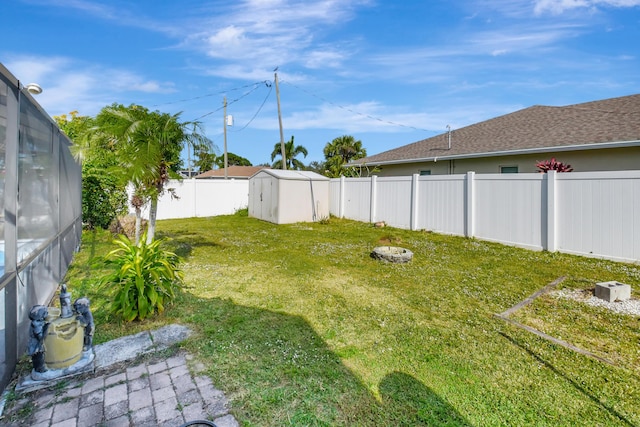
<point>387,72</point>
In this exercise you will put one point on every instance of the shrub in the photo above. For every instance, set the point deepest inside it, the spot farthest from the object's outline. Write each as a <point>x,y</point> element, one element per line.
<point>102,200</point>
<point>553,165</point>
<point>144,277</point>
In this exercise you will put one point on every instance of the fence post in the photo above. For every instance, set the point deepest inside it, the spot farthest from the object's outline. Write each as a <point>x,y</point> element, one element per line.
<point>470,205</point>
<point>374,196</point>
<point>194,185</point>
<point>414,201</point>
<point>551,177</point>
<point>341,197</point>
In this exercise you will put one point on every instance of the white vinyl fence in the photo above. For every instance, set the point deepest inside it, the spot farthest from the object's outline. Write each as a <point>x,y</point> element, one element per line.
<point>586,213</point>
<point>202,197</point>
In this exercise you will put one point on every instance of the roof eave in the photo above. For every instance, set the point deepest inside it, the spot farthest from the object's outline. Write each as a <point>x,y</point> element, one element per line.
<point>595,146</point>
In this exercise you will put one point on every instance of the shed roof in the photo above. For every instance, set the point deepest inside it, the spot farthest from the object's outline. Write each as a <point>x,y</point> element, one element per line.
<point>232,172</point>
<point>597,124</point>
<point>294,175</point>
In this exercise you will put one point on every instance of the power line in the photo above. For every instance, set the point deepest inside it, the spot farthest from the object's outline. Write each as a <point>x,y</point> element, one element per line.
<point>256,86</point>
<point>356,112</point>
<point>210,94</point>
<point>259,109</point>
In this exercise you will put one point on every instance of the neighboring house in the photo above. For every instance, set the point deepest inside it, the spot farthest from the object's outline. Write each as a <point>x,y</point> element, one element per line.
<point>188,174</point>
<point>233,172</point>
<point>593,136</point>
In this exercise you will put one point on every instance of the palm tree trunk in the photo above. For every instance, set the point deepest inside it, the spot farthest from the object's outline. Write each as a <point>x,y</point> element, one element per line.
<point>153,210</point>
<point>138,223</point>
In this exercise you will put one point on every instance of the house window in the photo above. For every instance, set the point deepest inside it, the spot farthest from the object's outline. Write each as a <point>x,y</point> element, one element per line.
<point>426,172</point>
<point>508,169</point>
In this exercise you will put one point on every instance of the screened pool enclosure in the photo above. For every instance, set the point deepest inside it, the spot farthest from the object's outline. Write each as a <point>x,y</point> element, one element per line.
<point>40,214</point>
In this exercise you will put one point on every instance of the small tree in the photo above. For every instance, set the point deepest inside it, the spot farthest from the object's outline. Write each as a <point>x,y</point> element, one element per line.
<point>553,165</point>
<point>148,145</point>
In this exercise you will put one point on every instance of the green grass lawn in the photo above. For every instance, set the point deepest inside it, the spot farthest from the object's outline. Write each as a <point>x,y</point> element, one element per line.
<point>300,326</point>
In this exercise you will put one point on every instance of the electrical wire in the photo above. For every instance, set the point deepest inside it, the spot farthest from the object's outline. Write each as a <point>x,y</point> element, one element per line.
<point>356,112</point>
<point>211,94</point>
<point>233,101</point>
<point>259,109</point>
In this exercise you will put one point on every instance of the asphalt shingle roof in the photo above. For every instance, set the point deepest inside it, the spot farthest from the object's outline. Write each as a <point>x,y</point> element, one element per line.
<point>534,128</point>
<point>232,172</point>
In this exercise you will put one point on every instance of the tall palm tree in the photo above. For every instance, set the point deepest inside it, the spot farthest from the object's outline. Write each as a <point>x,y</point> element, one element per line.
<point>341,151</point>
<point>148,146</point>
<point>291,151</point>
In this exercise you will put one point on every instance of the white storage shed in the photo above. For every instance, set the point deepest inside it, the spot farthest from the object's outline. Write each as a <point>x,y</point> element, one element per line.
<point>287,196</point>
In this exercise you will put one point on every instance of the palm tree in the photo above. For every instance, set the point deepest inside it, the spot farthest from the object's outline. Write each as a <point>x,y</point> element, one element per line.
<point>341,151</point>
<point>291,151</point>
<point>148,146</point>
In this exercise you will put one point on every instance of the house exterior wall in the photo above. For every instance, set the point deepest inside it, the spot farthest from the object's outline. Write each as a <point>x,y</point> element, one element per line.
<point>614,159</point>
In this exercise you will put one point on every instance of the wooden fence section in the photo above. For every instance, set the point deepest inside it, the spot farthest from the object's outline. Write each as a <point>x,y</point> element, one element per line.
<point>586,213</point>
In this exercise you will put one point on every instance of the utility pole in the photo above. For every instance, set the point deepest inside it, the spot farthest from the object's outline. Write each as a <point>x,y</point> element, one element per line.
<point>284,159</point>
<point>225,137</point>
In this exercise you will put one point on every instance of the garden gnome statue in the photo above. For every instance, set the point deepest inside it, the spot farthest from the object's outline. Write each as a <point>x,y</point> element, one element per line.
<point>65,303</point>
<point>37,332</point>
<point>81,306</point>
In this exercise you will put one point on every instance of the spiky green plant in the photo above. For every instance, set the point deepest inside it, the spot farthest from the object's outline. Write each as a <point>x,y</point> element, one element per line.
<point>553,165</point>
<point>143,279</point>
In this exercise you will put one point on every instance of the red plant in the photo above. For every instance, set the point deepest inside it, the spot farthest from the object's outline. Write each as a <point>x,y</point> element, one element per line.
<point>553,165</point>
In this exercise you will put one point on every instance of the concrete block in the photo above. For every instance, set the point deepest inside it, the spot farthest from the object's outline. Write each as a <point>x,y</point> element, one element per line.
<point>613,291</point>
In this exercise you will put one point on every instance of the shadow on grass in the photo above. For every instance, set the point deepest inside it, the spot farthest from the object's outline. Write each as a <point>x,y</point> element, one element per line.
<point>182,244</point>
<point>571,381</point>
<point>92,241</point>
<point>280,372</point>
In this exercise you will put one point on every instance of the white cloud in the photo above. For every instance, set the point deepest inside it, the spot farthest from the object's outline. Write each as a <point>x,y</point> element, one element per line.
<point>29,69</point>
<point>367,116</point>
<point>120,15</point>
<point>324,58</point>
<point>69,85</point>
<point>263,34</point>
<point>500,49</point>
<point>560,6</point>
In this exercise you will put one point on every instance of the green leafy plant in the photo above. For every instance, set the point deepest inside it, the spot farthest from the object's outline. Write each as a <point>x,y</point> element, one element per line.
<point>144,277</point>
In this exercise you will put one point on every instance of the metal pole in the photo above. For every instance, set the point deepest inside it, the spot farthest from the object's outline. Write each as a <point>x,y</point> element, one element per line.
<point>284,159</point>
<point>225,138</point>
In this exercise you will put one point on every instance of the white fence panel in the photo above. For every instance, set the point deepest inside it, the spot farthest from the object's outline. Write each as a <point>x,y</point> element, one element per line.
<point>203,197</point>
<point>441,204</point>
<point>587,213</point>
<point>599,214</point>
<point>393,201</point>
<point>334,197</point>
<point>510,209</point>
<point>357,199</point>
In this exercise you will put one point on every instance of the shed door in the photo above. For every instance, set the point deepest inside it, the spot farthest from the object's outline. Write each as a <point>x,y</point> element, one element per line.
<point>265,199</point>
